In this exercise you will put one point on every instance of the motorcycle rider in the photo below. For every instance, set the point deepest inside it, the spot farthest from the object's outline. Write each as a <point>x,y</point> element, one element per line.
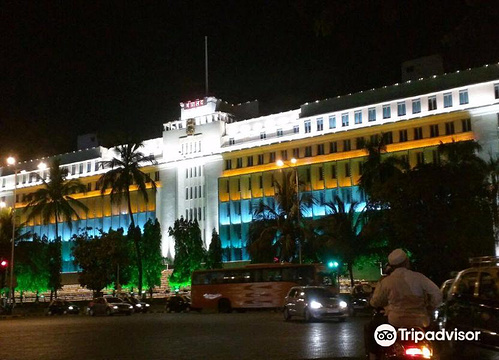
<point>407,296</point>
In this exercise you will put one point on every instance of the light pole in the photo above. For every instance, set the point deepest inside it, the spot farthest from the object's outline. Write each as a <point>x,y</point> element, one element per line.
<point>293,161</point>
<point>12,162</point>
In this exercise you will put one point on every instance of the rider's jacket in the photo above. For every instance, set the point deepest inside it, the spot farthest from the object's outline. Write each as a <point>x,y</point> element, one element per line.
<point>408,297</point>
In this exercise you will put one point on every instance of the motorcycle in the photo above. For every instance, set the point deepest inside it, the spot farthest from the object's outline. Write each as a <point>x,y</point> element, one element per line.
<point>401,349</point>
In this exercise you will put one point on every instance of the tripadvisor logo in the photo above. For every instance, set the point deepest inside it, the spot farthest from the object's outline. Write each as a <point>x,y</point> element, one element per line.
<point>385,335</point>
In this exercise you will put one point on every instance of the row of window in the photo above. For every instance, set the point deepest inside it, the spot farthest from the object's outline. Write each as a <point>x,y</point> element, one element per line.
<point>195,192</point>
<point>193,172</point>
<point>191,147</point>
<point>332,147</point>
<point>195,214</point>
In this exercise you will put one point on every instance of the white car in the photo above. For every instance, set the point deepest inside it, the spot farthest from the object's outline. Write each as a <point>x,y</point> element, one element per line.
<point>314,302</point>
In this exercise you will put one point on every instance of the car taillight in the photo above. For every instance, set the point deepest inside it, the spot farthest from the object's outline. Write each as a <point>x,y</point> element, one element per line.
<point>423,351</point>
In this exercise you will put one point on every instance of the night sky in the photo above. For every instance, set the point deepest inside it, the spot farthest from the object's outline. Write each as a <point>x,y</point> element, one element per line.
<point>69,68</point>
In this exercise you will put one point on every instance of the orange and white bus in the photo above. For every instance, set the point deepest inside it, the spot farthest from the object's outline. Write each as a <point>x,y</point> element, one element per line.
<point>251,286</point>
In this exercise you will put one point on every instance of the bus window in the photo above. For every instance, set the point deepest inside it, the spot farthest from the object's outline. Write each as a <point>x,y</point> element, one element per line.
<point>271,275</point>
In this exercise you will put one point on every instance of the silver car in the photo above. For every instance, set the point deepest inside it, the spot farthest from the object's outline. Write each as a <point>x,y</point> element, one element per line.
<point>109,306</point>
<point>314,302</point>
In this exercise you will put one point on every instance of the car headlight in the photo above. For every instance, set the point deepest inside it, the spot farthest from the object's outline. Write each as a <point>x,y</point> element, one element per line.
<point>343,304</point>
<point>147,305</point>
<point>115,307</point>
<point>315,304</point>
<point>70,308</point>
<point>138,305</point>
<point>130,307</point>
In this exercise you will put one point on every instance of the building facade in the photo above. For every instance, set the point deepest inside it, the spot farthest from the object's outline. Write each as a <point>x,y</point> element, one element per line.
<point>218,161</point>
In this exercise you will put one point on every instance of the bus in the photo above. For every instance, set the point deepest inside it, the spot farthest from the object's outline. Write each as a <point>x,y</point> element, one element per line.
<point>252,286</point>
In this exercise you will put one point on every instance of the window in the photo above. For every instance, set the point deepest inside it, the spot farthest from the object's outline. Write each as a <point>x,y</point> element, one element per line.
<point>228,164</point>
<point>347,170</point>
<point>238,184</point>
<point>361,167</point>
<point>307,175</point>
<point>373,139</point>
<point>358,117</point>
<point>195,192</point>
<point>321,174</point>
<point>416,106</point>
<point>420,158</point>
<point>333,172</point>
<point>249,160</point>
<point>284,155</point>
<point>89,186</point>
<point>232,141</point>
<point>260,159</point>
<point>89,166</point>
<point>239,163</point>
<point>187,193</point>
<point>308,151</point>
<point>332,122</point>
<point>463,97</point>
<point>359,143</point>
<point>388,138</point>
<point>279,132</point>
<point>436,157</point>
<point>402,135</point>
<point>272,157</point>
<point>466,125</point>
<point>418,133</point>
<point>320,149</point>
<point>190,193</point>
<point>466,284</point>
<point>488,286</point>
<point>320,124</point>
<point>260,181</point>
<point>434,130</point>
<point>432,103</point>
<point>296,153</point>
<point>449,128</point>
<point>333,147</point>
<point>344,119</point>
<point>371,114</point>
<point>496,91</point>
<point>401,109</point>
<point>387,112</point>
<point>308,127</point>
<point>97,165</point>
<point>296,129</point>
<point>346,145</point>
<point>263,135</point>
<point>73,169</point>
<point>447,100</point>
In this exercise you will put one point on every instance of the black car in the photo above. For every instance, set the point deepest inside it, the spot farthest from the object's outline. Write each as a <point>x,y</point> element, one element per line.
<point>60,307</point>
<point>138,306</point>
<point>178,303</point>
<point>472,302</point>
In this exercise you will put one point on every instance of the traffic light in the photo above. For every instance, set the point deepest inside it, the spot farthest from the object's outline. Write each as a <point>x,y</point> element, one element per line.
<point>4,264</point>
<point>332,264</point>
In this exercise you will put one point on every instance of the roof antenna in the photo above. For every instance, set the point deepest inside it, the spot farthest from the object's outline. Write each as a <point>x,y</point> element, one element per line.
<point>206,62</point>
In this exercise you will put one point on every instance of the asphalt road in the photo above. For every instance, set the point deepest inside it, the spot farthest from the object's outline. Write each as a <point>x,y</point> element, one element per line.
<point>251,335</point>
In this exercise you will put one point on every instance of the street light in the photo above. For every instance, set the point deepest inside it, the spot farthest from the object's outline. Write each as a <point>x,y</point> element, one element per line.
<point>12,162</point>
<point>293,161</point>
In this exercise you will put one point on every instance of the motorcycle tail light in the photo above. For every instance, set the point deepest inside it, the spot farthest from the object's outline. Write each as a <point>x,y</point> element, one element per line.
<point>422,351</point>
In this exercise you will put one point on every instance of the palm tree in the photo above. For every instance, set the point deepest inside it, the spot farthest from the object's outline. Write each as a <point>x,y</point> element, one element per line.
<point>54,199</point>
<point>492,186</point>
<point>275,231</point>
<point>342,232</point>
<point>124,172</point>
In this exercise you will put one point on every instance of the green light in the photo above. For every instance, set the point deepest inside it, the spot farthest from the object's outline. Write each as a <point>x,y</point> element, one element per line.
<point>332,264</point>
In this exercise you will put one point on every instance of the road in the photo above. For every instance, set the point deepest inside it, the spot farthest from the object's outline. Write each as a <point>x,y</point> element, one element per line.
<point>251,335</point>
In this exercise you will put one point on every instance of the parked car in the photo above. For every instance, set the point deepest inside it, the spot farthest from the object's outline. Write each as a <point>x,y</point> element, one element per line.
<point>109,306</point>
<point>60,307</point>
<point>472,302</point>
<point>314,302</point>
<point>138,306</point>
<point>360,296</point>
<point>178,303</point>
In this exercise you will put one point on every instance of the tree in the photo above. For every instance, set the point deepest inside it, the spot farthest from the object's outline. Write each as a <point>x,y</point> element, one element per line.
<point>32,265</point>
<point>54,260</point>
<point>124,171</point>
<point>189,251</point>
<point>54,199</point>
<point>277,229</point>
<point>102,259</point>
<point>492,186</point>
<point>342,236</point>
<point>151,250</point>
<point>214,255</point>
